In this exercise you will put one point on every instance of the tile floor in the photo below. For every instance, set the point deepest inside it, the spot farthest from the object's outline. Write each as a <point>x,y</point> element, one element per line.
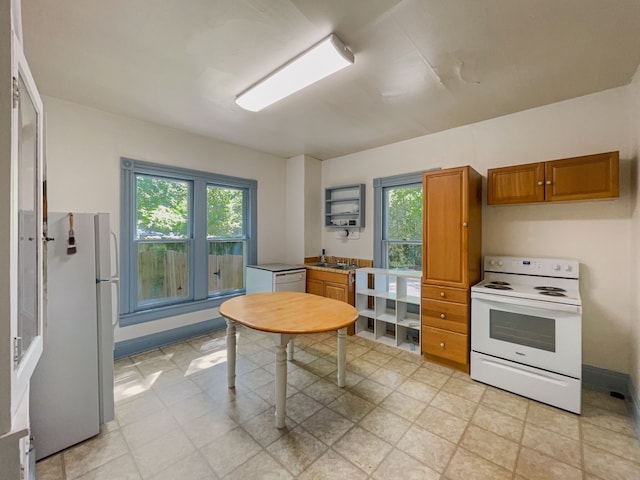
<point>397,418</point>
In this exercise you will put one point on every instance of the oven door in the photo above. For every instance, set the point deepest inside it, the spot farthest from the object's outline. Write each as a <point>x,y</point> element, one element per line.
<point>536,333</point>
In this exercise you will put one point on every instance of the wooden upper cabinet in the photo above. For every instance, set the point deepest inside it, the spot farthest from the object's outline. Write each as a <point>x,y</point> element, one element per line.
<point>452,219</point>
<point>516,184</point>
<point>588,177</point>
<point>582,178</point>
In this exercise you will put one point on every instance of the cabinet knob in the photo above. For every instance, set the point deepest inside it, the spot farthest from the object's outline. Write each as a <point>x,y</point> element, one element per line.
<point>548,182</point>
<point>442,294</point>
<point>442,315</point>
<point>540,182</point>
<point>465,224</point>
<point>441,344</point>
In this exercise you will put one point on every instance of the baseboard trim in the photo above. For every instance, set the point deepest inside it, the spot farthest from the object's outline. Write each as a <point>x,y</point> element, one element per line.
<point>155,340</point>
<point>603,379</point>
<point>608,380</point>
<point>634,405</point>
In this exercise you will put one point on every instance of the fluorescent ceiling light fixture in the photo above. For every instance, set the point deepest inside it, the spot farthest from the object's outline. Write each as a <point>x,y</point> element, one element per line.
<point>324,58</point>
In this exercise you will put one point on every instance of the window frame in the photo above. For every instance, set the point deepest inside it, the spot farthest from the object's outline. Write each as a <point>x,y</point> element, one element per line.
<point>199,298</point>
<point>380,259</point>
<point>241,239</point>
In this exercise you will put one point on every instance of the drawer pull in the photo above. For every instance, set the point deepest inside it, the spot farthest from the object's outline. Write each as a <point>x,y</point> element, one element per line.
<point>441,344</point>
<point>442,315</point>
<point>442,294</point>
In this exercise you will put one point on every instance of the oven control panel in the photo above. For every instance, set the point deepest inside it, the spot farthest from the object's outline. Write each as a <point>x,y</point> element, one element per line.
<point>548,267</point>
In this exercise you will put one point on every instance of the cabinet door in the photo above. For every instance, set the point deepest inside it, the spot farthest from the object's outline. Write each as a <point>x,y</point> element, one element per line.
<point>336,291</point>
<point>582,178</point>
<point>445,216</point>
<point>517,184</point>
<point>315,287</point>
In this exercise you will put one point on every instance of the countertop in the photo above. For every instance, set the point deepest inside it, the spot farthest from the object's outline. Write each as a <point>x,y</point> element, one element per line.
<point>342,271</point>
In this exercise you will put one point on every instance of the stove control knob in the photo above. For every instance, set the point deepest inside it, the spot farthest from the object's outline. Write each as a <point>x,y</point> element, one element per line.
<point>492,262</point>
<point>556,267</point>
<point>500,263</point>
<point>567,268</point>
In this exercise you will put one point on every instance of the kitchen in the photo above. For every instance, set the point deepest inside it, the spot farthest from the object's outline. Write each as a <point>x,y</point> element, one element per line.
<point>85,144</point>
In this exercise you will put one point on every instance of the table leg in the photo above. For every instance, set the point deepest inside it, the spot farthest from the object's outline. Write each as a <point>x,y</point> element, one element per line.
<point>231,353</point>
<point>281,377</point>
<point>290,350</point>
<point>342,355</point>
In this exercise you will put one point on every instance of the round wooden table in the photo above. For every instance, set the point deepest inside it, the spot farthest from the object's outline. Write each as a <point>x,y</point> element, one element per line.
<point>283,315</point>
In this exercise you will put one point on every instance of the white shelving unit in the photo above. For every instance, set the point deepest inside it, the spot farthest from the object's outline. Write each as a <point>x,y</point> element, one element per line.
<point>388,304</point>
<point>344,206</point>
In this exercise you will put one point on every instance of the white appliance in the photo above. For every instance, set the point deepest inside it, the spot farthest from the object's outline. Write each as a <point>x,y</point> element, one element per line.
<point>276,277</point>
<point>72,386</point>
<point>526,329</point>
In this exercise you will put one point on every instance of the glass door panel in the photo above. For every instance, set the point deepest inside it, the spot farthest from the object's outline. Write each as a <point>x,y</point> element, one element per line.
<point>28,222</point>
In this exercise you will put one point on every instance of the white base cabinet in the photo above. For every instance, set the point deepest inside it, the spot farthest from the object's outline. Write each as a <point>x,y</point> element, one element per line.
<point>388,304</point>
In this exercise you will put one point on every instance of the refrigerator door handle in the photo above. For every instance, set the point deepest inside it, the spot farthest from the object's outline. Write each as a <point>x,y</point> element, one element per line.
<point>116,315</point>
<point>116,275</point>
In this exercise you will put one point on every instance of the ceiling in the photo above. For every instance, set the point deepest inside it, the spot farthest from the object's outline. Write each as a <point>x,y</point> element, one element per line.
<point>421,66</point>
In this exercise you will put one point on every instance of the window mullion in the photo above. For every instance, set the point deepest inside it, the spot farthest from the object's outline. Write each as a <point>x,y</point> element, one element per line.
<point>128,248</point>
<point>200,266</point>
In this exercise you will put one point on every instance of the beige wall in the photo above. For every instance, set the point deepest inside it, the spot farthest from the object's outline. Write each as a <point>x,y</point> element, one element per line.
<point>313,196</point>
<point>84,147</point>
<point>635,242</point>
<point>598,234</point>
<point>303,208</point>
<point>295,210</point>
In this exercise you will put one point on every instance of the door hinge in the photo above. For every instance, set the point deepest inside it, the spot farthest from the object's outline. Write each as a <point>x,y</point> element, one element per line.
<point>16,350</point>
<point>16,93</point>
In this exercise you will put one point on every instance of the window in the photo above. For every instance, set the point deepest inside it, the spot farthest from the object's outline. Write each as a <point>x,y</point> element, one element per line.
<point>162,240</point>
<point>226,242</point>
<point>402,234</point>
<point>398,222</point>
<point>186,237</point>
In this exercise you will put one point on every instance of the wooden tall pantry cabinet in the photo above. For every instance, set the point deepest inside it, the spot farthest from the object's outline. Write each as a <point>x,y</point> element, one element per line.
<point>451,257</point>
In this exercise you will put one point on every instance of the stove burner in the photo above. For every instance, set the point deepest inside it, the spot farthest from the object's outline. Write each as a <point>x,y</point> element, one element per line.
<point>550,289</point>
<point>553,293</point>
<point>498,287</point>
<point>496,282</point>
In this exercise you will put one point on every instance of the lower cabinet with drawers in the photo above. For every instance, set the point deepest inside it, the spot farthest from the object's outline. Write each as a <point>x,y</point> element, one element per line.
<point>445,325</point>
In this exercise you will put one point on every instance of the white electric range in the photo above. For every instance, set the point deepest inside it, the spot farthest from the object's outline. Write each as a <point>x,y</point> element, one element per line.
<point>526,329</point>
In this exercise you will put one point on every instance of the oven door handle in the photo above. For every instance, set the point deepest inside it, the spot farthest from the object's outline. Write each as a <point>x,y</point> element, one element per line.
<point>523,302</point>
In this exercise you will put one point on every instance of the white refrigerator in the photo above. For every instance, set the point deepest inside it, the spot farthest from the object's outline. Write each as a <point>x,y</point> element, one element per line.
<point>72,386</point>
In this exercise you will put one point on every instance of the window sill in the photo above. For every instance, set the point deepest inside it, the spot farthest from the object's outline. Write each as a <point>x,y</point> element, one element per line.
<point>158,313</point>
